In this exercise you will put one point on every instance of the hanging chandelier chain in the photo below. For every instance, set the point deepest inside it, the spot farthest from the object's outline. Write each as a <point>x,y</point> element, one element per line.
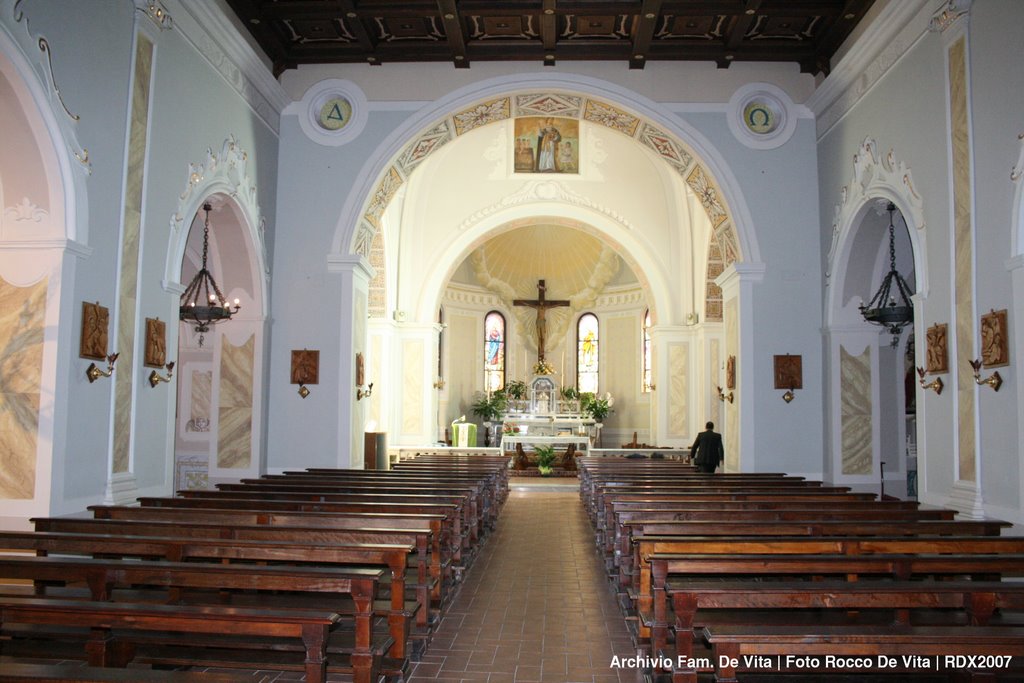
<point>892,240</point>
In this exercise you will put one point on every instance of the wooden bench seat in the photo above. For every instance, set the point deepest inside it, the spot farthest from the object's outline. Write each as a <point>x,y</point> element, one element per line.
<point>104,648</point>
<point>691,600</point>
<point>398,610</point>
<point>992,647</point>
<point>103,576</point>
<point>15,672</point>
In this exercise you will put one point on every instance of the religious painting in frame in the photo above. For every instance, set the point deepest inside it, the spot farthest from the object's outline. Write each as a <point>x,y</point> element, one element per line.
<point>730,372</point>
<point>546,144</point>
<point>995,350</point>
<point>156,343</point>
<point>936,352</point>
<point>789,372</point>
<point>95,321</point>
<point>305,367</point>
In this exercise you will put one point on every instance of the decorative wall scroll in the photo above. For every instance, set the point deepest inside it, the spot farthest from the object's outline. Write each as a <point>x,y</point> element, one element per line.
<point>156,343</point>
<point>995,351</point>
<point>789,375</point>
<point>936,353</point>
<point>305,369</point>
<point>95,321</point>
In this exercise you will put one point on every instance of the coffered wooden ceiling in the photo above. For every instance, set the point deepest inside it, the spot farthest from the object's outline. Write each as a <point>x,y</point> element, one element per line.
<point>294,32</point>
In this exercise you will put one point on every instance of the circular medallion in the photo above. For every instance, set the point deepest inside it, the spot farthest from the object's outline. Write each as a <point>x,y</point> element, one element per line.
<point>759,117</point>
<point>335,114</point>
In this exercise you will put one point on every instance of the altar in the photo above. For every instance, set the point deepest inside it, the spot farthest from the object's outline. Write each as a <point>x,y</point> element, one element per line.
<point>546,419</point>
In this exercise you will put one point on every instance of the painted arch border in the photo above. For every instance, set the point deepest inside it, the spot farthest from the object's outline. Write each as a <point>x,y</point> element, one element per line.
<point>697,161</point>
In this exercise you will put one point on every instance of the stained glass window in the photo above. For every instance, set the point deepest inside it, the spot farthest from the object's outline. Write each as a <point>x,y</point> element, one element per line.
<point>647,352</point>
<point>494,351</point>
<point>587,356</point>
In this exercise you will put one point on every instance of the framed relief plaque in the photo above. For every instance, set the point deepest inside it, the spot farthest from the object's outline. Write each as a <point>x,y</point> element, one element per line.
<point>995,350</point>
<point>156,343</point>
<point>789,373</point>
<point>95,320</point>
<point>305,367</point>
<point>936,353</point>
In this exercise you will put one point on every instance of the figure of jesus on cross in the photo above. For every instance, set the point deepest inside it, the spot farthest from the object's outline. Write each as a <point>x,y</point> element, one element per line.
<point>541,304</point>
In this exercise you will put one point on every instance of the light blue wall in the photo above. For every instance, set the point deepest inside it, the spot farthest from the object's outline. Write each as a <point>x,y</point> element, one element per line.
<point>907,111</point>
<point>781,191</point>
<point>193,109</point>
<point>314,183</point>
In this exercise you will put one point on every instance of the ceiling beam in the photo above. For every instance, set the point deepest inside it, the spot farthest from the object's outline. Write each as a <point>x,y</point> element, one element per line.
<point>643,32</point>
<point>453,30</point>
<point>548,31</point>
<point>742,24</point>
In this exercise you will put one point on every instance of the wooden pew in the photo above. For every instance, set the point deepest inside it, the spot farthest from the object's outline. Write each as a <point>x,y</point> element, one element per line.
<point>996,645</point>
<point>180,549</point>
<point>894,601</point>
<point>439,555</point>
<point>425,583</point>
<point>819,557</point>
<point>103,576</point>
<point>16,672</point>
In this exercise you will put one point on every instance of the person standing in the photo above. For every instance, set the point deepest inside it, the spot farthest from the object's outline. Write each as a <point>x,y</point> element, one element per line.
<point>707,451</point>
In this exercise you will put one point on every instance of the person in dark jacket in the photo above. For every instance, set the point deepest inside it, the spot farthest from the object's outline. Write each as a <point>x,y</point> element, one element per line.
<point>707,451</point>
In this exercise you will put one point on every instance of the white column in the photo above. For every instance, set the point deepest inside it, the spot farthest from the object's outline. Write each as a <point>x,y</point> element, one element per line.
<point>356,273</point>
<point>679,374</point>
<point>409,391</point>
<point>737,283</point>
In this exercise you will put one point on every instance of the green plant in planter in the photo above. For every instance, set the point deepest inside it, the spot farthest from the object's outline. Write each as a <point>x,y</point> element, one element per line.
<point>545,458</point>
<point>515,389</point>
<point>489,408</point>
<point>597,407</point>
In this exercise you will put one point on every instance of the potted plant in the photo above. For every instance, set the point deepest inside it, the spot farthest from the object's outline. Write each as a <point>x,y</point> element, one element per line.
<point>597,407</point>
<point>545,458</point>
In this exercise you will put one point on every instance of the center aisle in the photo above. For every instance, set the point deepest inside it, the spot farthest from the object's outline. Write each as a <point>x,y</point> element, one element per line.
<point>535,605</point>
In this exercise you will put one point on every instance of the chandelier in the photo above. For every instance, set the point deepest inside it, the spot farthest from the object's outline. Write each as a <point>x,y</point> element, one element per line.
<point>885,309</point>
<point>202,304</point>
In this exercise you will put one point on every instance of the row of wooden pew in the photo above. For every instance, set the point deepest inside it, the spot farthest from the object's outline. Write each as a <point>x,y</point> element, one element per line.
<point>733,573</point>
<point>317,571</point>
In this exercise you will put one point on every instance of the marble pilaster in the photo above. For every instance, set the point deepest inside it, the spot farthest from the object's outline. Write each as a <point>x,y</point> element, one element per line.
<point>234,427</point>
<point>22,311</point>
<point>855,411</point>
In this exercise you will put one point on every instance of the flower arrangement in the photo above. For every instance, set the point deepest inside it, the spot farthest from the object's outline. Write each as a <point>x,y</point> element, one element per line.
<point>543,368</point>
<point>597,407</point>
<point>515,389</point>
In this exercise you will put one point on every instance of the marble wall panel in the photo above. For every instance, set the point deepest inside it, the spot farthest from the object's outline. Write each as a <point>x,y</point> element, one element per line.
<point>234,432</point>
<point>129,274</point>
<point>963,258</point>
<point>855,415</point>
<point>678,376</point>
<point>22,320</point>
<point>200,413</point>
<point>412,386</point>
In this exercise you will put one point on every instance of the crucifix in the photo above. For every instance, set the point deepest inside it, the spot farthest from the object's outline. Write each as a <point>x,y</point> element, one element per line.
<point>541,304</point>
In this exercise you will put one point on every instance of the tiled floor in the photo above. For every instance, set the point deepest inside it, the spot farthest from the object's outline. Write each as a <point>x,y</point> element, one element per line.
<point>535,605</point>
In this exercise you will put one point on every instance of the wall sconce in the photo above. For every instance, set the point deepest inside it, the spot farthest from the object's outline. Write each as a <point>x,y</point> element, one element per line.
<point>788,396</point>
<point>155,378</point>
<point>439,384</point>
<point>94,373</point>
<point>722,396</point>
<point>994,380</point>
<point>935,384</point>
<point>361,394</point>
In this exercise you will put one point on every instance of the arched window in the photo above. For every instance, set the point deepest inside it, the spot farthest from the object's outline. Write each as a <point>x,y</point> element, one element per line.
<point>494,351</point>
<point>587,356</point>
<point>647,352</point>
